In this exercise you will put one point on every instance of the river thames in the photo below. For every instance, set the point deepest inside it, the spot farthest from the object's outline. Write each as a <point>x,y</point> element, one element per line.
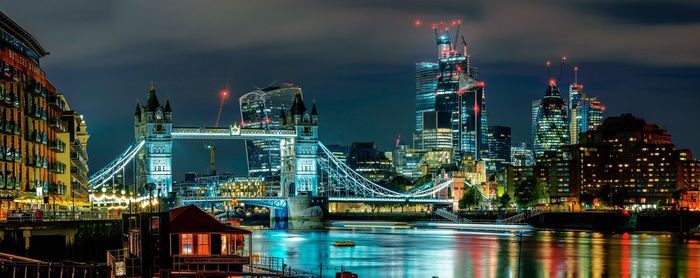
<point>452,253</point>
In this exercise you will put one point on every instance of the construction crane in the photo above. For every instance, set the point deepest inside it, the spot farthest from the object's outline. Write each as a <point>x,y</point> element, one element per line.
<point>561,67</point>
<point>223,95</point>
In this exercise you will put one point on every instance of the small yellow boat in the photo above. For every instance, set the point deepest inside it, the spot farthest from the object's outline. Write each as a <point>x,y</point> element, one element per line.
<point>344,243</point>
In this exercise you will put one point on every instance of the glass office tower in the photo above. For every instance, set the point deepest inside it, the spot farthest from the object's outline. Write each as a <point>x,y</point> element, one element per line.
<point>426,83</point>
<point>552,128</point>
<point>261,109</point>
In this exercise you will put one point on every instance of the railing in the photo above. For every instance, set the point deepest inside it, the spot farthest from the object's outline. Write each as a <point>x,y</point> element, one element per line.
<point>58,145</point>
<point>267,263</point>
<point>118,260</point>
<point>225,259</point>
<point>48,216</point>
<point>451,216</point>
<point>521,217</point>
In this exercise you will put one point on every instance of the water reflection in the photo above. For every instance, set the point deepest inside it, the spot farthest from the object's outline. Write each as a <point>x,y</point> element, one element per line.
<point>448,253</point>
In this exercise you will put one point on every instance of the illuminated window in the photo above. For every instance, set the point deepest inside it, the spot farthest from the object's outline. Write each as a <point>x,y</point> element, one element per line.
<point>224,244</point>
<point>203,244</point>
<point>186,243</point>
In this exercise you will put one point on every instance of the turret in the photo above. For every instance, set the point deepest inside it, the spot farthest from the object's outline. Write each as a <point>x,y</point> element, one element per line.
<point>283,117</point>
<point>152,103</point>
<point>137,113</point>
<point>168,111</point>
<point>298,108</point>
<point>314,114</point>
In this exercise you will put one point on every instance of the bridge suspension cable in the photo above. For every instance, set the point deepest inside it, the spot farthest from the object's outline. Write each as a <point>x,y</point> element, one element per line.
<point>115,166</point>
<point>358,185</point>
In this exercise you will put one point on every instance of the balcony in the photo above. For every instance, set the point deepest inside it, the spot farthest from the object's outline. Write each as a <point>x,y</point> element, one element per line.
<point>210,264</point>
<point>34,87</point>
<point>79,175</point>
<point>37,161</point>
<point>10,154</point>
<point>7,97</point>
<point>8,127</point>
<point>78,152</point>
<point>57,145</point>
<point>9,182</point>
<point>56,102</point>
<point>57,124</point>
<point>8,72</point>
<point>33,185</point>
<point>57,167</point>
<point>36,112</point>
<point>37,137</point>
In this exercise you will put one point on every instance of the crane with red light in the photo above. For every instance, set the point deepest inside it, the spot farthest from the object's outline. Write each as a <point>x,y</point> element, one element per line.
<point>561,67</point>
<point>223,95</point>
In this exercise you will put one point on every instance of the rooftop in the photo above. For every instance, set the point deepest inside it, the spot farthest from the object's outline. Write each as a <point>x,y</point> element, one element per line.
<point>22,35</point>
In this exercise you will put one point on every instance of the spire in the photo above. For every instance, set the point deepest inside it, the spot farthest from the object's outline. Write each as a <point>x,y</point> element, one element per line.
<point>152,103</point>
<point>299,107</point>
<point>167,107</point>
<point>313,110</point>
<point>283,117</point>
<point>138,109</point>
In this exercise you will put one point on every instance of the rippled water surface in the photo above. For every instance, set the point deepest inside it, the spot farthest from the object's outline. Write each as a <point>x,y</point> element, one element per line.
<point>451,253</point>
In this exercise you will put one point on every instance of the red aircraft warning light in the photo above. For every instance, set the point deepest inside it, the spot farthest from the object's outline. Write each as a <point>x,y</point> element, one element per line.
<point>552,82</point>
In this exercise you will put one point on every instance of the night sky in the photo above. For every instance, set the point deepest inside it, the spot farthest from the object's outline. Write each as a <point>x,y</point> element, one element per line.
<point>356,59</point>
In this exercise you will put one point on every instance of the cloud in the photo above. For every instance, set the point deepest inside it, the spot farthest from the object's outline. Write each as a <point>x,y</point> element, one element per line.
<point>645,12</point>
<point>355,57</point>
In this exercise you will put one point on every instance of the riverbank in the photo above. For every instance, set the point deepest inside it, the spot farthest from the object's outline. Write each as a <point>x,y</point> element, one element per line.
<point>657,221</point>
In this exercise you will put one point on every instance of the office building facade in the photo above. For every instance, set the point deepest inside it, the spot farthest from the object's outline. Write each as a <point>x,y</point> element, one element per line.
<point>262,109</point>
<point>552,127</point>
<point>426,84</point>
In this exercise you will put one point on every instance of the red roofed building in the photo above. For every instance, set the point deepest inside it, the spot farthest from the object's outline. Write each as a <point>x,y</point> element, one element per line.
<point>184,241</point>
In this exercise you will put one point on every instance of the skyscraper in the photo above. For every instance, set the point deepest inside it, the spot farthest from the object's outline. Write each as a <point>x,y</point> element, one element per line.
<point>584,113</point>
<point>533,127</point>
<point>261,109</point>
<point>459,93</point>
<point>552,129</point>
<point>499,145</point>
<point>521,156</point>
<point>436,133</point>
<point>578,112</point>
<point>426,83</point>
<point>595,113</point>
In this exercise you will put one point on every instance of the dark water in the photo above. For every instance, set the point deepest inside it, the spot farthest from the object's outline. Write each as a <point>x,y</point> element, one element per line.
<point>450,253</point>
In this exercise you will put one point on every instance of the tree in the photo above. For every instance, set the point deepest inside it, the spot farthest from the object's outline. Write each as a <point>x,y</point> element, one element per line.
<point>614,197</point>
<point>678,196</point>
<point>504,200</point>
<point>586,198</point>
<point>530,191</point>
<point>470,198</point>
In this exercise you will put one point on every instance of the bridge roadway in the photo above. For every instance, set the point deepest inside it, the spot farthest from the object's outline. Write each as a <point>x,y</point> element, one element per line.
<point>233,132</point>
<point>281,202</point>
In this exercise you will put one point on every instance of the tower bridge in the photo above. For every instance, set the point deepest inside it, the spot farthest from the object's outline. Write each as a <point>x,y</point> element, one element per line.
<point>303,158</point>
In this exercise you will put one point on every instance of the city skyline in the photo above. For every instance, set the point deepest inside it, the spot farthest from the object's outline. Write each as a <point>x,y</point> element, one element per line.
<point>512,81</point>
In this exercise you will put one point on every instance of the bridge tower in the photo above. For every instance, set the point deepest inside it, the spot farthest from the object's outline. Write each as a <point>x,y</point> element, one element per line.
<point>153,123</point>
<point>300,155</point>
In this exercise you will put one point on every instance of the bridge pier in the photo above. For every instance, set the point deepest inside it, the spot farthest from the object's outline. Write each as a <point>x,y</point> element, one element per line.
<point>27,236</point>
<point>306,212</point>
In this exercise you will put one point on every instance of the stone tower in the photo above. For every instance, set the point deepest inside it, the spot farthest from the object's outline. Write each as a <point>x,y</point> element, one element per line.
<point>300,156</point>
<point>153,124</point>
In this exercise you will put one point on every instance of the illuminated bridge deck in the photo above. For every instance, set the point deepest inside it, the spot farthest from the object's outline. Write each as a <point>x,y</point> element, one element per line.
<point>233,132</point>
<point>190,200</point>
